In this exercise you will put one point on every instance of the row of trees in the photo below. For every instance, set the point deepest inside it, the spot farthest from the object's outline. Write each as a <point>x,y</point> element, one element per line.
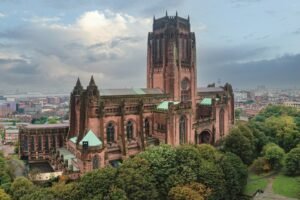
<point>163,172</point>
<point>268,141</point>
<point>5,173</point>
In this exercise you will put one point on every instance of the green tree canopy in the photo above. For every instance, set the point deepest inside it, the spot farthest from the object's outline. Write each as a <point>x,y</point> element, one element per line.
<point>292,162</point>
<point>240,145</point>
<point>3,195</point>
<point>191,191</point>
<point>274,154</point>
<point>21,187</point>
<point>135,178</point>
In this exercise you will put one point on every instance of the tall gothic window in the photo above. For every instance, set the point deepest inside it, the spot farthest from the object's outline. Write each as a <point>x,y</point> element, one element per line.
<point>60,141</point>
<point>185,89</point>
<point>46,143</point>
<point>32,144</point>
<point>182,130</point>
<point>54,141</point>
<point>96,160</point>
<point>39,143</point>
<point>25,143</point>
<point>110,133</point>
<point>221,122</point>
<point>147,127</point>
<point>129,130</point>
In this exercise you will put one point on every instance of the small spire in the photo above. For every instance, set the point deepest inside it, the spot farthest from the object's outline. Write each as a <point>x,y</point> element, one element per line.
<point>176,13</point>
<point>166,13</point>
<point>153,17</point>
<point>78,83</point>
<point>188,17</point>
<point>92,82</point>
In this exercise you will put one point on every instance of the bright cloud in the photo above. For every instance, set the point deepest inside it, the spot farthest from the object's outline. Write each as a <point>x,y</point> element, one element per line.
<point>98,42</point>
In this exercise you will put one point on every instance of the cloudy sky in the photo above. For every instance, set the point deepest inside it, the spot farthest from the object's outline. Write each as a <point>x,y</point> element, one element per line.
<point>46,44</point>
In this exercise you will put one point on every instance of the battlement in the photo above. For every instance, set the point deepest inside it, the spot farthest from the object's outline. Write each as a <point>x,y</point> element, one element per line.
<point>171,21</point>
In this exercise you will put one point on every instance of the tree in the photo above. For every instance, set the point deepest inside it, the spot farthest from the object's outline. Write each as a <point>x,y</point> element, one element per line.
<point>3,195</point>
<point>135,178</point>
<point>211,175</point>
<point>39,194</point>
<point>237,113</point>
<point>20,187</point>
<point>292,162</point>
<point>64,191</point>
<point>274,154</point>
<point>208,152</point>
<point>235,173</point>
<point>260,165</point>
<point>117,194</point>
<point>284,131</point>
<point>96,182</point>
<point>162,161</point>
<point>240,145</point>
<point>192,191</point>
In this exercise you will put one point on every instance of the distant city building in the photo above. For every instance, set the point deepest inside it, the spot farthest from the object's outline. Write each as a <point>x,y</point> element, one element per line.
<point>11,135</point>
<point>292,104</point>
<point>7,108</point>
<point>242,96</point>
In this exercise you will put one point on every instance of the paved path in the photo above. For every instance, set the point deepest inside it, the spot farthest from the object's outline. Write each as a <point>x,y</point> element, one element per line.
<point>268,193</point>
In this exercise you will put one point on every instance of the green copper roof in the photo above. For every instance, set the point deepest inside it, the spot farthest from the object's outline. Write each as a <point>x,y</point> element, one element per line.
<point>138,91</point>
<point>92,139</point>
<point>165,105</point>
<point>73,139</point>
<point>206,101</point>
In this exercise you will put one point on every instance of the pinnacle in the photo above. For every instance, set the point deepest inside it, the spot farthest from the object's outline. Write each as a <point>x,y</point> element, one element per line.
<point>92,81</point>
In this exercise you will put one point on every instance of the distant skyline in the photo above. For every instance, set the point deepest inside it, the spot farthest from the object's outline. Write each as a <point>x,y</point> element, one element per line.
<point>45,45</point>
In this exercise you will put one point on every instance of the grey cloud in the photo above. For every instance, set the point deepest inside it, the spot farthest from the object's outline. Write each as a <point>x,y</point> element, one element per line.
<point>220,56</point>
<point>274,72</point>
<point>24,68</point>
<point>297,32</point>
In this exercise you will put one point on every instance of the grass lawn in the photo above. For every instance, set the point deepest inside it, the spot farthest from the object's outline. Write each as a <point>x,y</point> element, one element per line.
<point>254,183</point>
<point>286,186</point>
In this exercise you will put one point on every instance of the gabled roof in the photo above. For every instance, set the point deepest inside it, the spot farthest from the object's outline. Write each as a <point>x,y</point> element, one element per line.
<point>165,105</point>
<point>210,89</point>
<point>73,139</point>
<point>130,91</point>
<point>206,102</point>
<point>92,139</point>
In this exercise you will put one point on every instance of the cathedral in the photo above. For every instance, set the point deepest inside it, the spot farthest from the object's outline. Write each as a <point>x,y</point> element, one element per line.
<point>110,125</point>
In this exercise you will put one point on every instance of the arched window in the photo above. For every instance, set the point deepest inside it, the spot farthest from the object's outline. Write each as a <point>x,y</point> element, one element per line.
<point>182,130</point>
<point>221,122</point>
<point>110,133</point>
<point>147,127</point>
<point>204,137</point>
<point>185,89</point>
<point>96,160</point>
<point>129,130</point>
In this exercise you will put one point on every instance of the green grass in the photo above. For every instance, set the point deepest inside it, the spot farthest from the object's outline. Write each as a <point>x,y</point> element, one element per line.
<point>254,183</point>
<point>286,186</point>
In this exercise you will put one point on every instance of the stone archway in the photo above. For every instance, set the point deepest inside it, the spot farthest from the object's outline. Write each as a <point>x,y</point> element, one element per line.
<point>204,137</point>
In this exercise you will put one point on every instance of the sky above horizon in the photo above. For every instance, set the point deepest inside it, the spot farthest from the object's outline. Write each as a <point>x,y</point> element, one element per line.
<point>45,44</point>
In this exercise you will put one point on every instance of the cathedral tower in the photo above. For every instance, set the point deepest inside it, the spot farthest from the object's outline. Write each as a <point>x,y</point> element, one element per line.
<point>171,62</point>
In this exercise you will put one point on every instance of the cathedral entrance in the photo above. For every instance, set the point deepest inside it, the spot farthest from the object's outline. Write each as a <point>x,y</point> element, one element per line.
<point>203,138</point>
